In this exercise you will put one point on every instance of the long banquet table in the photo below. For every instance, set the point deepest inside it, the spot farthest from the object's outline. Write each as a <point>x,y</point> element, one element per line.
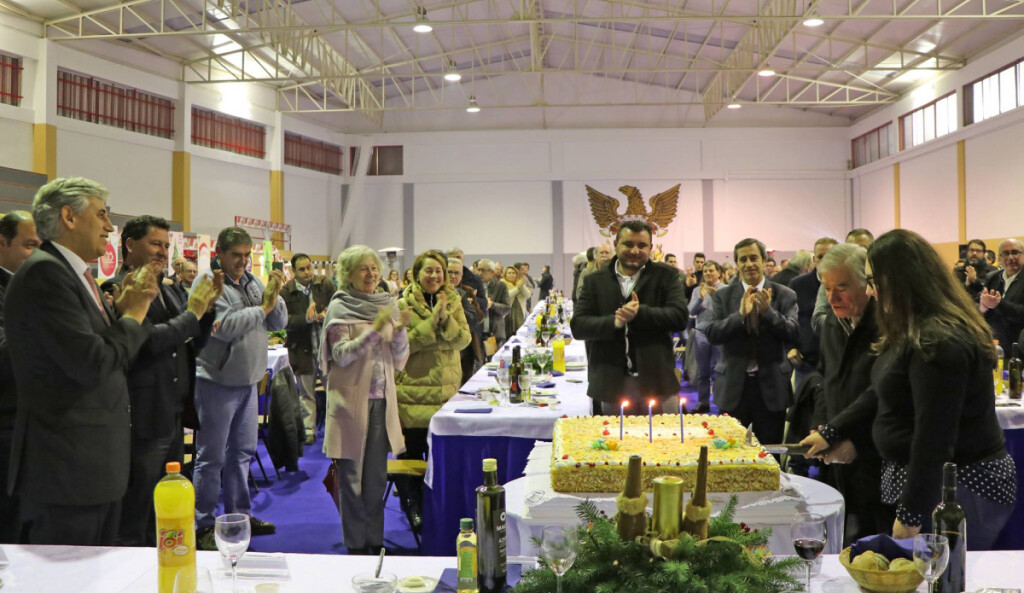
<point>71,569</point>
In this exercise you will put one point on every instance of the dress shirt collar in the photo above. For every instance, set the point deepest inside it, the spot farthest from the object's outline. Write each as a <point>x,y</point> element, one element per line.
<point>77,263</point>
<point>759,286</point>
<point>626,283</point>
<point>1008,280</point>
<point>9,273</point>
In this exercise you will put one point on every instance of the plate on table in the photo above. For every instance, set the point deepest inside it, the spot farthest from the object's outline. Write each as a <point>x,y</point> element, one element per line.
<point>576,365</point>
<point>417,585</point>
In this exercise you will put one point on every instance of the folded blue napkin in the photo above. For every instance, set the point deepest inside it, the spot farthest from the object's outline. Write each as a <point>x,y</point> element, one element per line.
<point>491,373</point>
<point>557,373</point>
<point>545,385</point>
<point>468,391</point>
<point>884,545</point>
<point>473,410</point>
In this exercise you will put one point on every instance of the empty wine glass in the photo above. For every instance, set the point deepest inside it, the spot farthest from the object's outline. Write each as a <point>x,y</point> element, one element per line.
<point>232,532</point>
<point>808,539</point>
<point>558,548</point>
<point>545,335</point>
<point>525,381</point>
<point>543,358</point>
<point>931,555</point>
<point>504,382</point>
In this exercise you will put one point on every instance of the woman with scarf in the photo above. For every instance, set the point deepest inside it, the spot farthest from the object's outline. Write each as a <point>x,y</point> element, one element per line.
<point>518,294</point>
<point>364,343</point>
<point>438,332</point>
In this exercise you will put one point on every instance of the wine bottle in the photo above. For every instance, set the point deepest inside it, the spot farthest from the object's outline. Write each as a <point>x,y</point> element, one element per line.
<point>997,370</point>
<point>1014,367</point>
<point>515,390</point>
<point>632,524</point>
<point>541,320</point>
<point>948,519</point>
<point>490,521</point>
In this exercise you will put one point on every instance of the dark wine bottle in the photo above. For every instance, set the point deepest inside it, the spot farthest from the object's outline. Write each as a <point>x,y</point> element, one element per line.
<point>632,525</point>
<point>1014,367</point>
<point>948,519</point>
<point>490,521</point>
<point>541,321</point>
<point>515,390</point>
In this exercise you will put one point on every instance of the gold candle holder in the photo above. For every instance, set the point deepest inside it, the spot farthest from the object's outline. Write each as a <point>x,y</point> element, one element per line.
<point>668,506</point>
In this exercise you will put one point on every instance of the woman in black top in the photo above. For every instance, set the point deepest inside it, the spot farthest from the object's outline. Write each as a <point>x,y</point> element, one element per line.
<point>932,394</point>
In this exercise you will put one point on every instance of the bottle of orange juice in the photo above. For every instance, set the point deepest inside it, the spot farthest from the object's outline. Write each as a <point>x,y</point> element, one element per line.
<point>175,504</point>
<point>558,354</point>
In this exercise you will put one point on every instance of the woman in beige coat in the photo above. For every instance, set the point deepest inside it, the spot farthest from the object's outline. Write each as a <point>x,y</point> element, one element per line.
<point>364,343</point>
<point>438,332</point>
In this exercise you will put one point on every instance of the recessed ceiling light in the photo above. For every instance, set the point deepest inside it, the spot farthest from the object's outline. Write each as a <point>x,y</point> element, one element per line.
<point>813,21</point>
<point>733,106</point>
<point>473,107</point>
<point>421,21</point>
<point>766,72</point>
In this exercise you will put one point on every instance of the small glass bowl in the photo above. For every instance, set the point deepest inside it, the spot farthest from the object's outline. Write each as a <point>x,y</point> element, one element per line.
<point>365,582</point>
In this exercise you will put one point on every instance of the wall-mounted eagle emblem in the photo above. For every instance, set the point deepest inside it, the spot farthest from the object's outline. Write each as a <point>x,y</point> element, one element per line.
<point>606,209</point>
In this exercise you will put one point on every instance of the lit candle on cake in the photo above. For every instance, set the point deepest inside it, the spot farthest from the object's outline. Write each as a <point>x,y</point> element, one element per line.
<point>650,421</point>
<point>682,405</point>
<point>622,412</point>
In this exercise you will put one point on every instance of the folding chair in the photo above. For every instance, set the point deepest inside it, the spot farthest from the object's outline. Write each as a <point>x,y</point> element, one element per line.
<point>414,469</point>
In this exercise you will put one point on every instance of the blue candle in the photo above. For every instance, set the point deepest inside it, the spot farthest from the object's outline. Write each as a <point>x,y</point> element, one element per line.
<point>682,404</point>
<point>650,421</point>
<point>622,412</point>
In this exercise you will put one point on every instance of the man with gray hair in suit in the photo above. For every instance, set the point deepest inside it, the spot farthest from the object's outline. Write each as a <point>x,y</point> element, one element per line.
<point>72,432</point>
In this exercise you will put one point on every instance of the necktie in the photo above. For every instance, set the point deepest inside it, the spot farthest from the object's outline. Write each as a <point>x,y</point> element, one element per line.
<point>96,294</point>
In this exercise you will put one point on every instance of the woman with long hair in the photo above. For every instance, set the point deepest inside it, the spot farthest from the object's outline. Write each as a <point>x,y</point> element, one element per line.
<point>518,293</point>
<point>438,332</point>
<point>364,343</point>
<point>932,393</point>
<point>394,283</point>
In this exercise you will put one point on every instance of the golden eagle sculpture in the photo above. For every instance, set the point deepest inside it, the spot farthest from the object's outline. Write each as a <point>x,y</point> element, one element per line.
<point>606,209</point>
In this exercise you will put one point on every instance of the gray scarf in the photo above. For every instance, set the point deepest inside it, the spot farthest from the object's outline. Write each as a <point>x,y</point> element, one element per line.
<point>352,305</point>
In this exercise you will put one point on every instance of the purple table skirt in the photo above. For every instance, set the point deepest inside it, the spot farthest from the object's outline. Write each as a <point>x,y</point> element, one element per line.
<point>457,473</point>
<point>1012,537</point>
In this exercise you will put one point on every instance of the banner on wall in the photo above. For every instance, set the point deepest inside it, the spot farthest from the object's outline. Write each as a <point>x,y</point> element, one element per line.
<point>204,251</point>
<point>608,215</point>
<point>176,250</point>
<point>106,266</point>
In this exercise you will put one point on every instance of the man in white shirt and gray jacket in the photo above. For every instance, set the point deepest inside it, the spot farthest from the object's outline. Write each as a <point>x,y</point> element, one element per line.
<point>229,367</point>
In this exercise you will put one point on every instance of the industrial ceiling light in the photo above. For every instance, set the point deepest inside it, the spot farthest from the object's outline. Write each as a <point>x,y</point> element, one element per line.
<point>813,20</point>
<point>733,106</point>
<point>422,26</point>
<point>766,72</point>
<point>452,73</point>
<point>473,107</point>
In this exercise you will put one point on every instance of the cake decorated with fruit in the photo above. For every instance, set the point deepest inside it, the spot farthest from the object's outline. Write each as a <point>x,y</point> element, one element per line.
<point>588,454</point>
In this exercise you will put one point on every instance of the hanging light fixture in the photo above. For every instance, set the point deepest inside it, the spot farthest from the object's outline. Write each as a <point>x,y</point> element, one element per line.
<point>473,107</point>
<point>733,105</point>
<point>451,74</point>
<point>766,72</point>
<point>422,26</point>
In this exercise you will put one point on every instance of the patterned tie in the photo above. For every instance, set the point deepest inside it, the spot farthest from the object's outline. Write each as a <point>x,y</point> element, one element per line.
<point>96,295</point>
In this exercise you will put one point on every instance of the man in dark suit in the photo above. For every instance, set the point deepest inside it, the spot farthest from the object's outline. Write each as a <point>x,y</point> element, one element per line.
<point>161,378</point>
<point>1002,298</point>
<point>306,298</point>
<point>72,434</point>
<point>546,282</point>
<point>627,312</point>
<point>498,301</point>
<point>755,319</point>
<point>17,241</point>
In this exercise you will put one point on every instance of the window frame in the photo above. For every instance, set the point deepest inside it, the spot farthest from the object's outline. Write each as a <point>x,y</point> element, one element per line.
<point>933,104</point>
<point>242,127</point>
<point>968,90</point>
<point>878,145</point>
<point>374,169</point>
<point>113,104</point>
<point>321,152</point>
<point>13,64</point>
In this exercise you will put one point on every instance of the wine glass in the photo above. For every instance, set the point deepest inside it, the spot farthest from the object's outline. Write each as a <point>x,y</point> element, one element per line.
<point>543,357</point>
<point>808,539</point>
<point>545,335</point>
<point>558,548</point>
<point>232,532</point>
<point>931,555</point>
<point>526,380</point>
<point>504,382</point>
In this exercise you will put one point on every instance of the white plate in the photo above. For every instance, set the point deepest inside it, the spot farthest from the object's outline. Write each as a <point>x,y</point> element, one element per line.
<point>429,583</point>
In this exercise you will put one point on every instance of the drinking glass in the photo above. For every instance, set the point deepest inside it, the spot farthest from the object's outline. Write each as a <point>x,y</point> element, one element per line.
<point>545,335</point>
<point>232,534</point>
<point>193,580</point>
<point>808,539</point>
<point>558,549</point>
<point>526,380</point>
<point>504,382</point>
<point>931,555</point>
<point>543,358</point>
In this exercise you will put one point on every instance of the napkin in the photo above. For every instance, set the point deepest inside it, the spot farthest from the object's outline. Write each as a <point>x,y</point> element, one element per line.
<point>884,545</point>
<point>468,391</point>
<point>491,373</point>
<point>473,410</point>
<point>557,373</point>
<point>545,385</point>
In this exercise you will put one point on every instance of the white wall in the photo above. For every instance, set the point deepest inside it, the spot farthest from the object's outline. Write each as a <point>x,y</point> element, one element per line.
<point>875,200</point>
<point>382,220</point>
<point>305,208</point>
<point>222,190</point>
<point>995,182</point>
<point>16,146</point>
<point>928,194</point>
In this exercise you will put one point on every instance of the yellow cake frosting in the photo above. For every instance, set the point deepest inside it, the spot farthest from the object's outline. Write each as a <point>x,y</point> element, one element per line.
<point>588,456</point>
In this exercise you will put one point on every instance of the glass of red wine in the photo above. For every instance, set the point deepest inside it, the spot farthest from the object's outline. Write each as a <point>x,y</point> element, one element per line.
<point>808,539</point>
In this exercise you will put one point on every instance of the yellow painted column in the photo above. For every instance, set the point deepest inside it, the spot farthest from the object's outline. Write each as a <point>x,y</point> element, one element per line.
<point>277,203</point>
<point>181,189</point>
<point>44,150</point>
<point>896,192</point>
<point>961,188</point>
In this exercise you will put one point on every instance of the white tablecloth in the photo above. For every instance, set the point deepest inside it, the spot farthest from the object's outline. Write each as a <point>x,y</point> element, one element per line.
<point>1010,414</point>
<point>277,358</point>
<point>531,505</point>
<point>70,569</point>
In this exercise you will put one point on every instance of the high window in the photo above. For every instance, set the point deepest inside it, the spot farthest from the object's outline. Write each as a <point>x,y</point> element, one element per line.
<point>994,93</point>
<point>385,160</point>
<point>91,99</point>
<point>869,147</point>
<point>307,153</point>
<point>224,132</point>
<point>10,80</point>
<point>928,122</point>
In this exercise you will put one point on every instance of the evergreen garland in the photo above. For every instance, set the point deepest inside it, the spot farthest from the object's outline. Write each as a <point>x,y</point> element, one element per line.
<point>732,560</point>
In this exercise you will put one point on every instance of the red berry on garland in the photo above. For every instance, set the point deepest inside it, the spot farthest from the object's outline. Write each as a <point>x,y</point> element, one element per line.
<point>606,433</point>
<point>711,431</point>
<point>565,457</point>
<point>704,424</point>
<point>606,423</point>
<point>762,454</point>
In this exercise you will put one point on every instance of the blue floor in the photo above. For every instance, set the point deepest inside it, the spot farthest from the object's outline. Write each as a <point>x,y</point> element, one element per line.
<point>306,518</point>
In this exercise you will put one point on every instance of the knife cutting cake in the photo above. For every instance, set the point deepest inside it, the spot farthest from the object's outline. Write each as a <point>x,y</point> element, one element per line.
<point>589,456</point>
